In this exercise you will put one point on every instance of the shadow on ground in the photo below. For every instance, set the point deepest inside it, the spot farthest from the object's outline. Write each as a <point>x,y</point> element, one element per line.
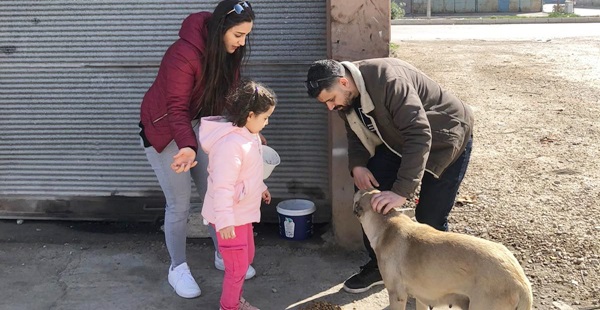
<point>107,265</point>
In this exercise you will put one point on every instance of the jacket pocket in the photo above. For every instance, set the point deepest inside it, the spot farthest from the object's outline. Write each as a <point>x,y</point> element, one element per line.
<point>239,191</point>
<point>160,121</point>
<point>445,147</point>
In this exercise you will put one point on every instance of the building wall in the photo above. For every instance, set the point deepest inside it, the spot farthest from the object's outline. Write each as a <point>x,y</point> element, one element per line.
<point>359,29</point>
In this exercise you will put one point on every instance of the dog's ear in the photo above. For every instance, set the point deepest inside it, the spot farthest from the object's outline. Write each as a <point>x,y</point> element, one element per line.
<point>356,207</point>
<point>358,195</point>
<point>368,194</point>
<point>362,201</point>
<point>358,204</point>
<point>365,200</point>
<point>371,191</point>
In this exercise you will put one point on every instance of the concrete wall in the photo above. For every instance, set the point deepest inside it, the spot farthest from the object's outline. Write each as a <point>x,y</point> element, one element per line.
<point>471,6</point>
<point>358,29</point>
<point>583,3</point>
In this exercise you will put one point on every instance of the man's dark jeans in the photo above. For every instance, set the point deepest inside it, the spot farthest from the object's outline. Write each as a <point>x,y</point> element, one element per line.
<point>436,197</point>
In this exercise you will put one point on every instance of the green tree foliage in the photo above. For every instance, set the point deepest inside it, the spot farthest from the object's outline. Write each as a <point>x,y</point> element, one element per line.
<point>397,10</point>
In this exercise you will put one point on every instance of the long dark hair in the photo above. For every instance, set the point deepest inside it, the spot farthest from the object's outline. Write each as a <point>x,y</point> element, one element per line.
<point>248,97</point>
<point>220,70</point>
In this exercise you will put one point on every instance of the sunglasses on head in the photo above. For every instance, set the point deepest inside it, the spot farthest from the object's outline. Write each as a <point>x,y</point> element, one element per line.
<point>315,84</point>
<point>239,8</point>
<point>255,95</point>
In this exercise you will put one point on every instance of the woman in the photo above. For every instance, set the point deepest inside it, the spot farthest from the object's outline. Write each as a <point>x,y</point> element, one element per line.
<point>195,75</point>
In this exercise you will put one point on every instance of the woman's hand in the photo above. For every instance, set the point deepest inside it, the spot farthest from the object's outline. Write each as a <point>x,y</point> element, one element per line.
<point>227,232</point>
<point>184,160</point>
<point>266,196</point>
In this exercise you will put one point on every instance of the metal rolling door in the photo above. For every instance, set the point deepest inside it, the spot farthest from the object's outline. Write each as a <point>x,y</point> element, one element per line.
<point>72,75</point>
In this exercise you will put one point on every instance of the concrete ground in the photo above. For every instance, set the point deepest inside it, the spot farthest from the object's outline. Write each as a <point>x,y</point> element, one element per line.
<point>96,265</point>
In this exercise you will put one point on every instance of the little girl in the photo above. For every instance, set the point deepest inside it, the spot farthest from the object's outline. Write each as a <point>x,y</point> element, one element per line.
<point>235,182</point>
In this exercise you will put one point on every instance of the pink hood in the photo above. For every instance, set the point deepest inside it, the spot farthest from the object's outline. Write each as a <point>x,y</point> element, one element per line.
<point>235,170</point>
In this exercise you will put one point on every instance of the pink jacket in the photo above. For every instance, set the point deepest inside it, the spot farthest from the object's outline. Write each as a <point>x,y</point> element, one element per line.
<point>235,173</point>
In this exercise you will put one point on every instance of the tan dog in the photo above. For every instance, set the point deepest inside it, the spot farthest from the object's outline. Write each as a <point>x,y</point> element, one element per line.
<point>441,268</point>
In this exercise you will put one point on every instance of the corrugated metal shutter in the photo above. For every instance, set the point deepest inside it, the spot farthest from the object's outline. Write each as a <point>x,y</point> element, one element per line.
<point>72,75</point>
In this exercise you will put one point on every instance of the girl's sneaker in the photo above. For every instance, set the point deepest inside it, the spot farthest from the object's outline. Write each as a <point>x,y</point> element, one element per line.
<point>244,305</point>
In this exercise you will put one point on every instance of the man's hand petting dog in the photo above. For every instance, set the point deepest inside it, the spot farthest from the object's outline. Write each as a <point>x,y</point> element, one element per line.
<point>386,201</point>
<point>382,202</point>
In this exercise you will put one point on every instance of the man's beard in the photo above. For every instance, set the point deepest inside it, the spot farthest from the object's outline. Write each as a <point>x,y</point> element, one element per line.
<point>347,103</point>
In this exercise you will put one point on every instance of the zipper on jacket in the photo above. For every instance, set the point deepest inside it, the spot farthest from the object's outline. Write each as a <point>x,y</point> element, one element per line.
<point>158,119</point>
<point>379,135</point>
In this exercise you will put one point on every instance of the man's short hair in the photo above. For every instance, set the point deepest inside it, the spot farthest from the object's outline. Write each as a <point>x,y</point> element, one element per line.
<point>322,74</point>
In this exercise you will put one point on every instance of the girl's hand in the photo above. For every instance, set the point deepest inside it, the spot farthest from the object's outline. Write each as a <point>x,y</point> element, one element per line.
<point>266,196</point>
<point>227,232</point>
<point>184,160</point>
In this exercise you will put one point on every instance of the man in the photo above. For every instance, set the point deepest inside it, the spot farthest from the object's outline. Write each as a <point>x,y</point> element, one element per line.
<point>400,124</point>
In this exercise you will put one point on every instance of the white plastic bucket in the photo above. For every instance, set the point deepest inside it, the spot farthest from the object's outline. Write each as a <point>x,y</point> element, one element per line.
<point>295,218</point>
<point>270,160</point>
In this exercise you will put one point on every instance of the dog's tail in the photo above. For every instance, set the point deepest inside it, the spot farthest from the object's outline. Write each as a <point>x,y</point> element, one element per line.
<point>525,294</point>
<point>526,297</point>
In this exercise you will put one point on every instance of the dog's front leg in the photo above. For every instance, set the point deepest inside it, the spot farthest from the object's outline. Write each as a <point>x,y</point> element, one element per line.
<point>421,305</point>
<point>397,300</point>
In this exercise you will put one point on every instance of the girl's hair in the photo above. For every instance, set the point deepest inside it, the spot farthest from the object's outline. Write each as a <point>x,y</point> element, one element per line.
<point>249,97</point>
<point>220,69</point>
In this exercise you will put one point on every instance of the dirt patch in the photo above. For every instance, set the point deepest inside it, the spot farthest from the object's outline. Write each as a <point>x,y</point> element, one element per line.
<point>322,305</point>
<point>534,179</point>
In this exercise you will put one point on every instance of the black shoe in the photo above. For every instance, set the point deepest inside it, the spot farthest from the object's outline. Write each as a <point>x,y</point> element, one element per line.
<point>368,277</point>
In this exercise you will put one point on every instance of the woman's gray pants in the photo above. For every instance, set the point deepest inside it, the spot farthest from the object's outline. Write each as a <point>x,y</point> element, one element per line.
<point>177,188</point>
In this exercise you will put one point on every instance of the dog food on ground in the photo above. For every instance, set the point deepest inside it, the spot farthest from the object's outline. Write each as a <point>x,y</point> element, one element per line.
<point>321,305</point>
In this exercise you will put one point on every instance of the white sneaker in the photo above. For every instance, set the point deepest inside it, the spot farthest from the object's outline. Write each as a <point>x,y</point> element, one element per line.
<point>182,281</point>
<point>219,264</point>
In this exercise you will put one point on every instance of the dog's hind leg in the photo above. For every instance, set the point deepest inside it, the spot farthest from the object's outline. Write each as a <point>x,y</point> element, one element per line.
<point>397,301</point>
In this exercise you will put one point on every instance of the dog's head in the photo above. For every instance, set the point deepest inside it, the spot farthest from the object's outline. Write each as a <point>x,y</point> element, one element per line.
<point>362,206</point>
<point>362,202</point>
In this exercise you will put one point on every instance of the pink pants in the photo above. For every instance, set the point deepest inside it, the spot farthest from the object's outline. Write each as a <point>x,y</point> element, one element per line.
<point>238,254</point>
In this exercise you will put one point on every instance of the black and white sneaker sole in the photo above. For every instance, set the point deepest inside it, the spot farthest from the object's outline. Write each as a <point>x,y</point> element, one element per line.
<point>362,289</point>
